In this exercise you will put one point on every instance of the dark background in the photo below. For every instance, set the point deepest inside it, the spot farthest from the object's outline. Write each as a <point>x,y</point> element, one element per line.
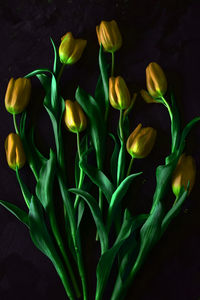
<point>163,31</point>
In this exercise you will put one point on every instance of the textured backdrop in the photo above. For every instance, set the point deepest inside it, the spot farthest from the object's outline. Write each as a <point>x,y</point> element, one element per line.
<point>163,31</point>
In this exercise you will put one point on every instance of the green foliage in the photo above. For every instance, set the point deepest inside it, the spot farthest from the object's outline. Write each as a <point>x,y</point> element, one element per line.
<point>19,213</point>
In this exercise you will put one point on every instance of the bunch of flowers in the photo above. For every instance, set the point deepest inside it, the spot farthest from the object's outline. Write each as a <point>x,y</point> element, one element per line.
<point>132,236</point>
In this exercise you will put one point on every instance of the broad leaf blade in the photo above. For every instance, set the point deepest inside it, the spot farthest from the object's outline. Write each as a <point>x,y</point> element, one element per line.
<point>43,240</point>
<point>16,211</point>
<point>97,216</point>
<point>97,177</point>
<point>97,123</point>
<point>113,165</point>
<point>107,259</point>
<point>173,212</point>
<point>117,197</point>
<point>44,187</point>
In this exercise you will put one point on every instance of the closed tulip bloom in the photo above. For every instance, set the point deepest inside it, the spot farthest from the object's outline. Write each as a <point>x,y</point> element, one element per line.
<point>109,36</point>
<point>156,80</point>
<point>17,95</point>
<point>74,117</point>
<point>71,49</point>
<point>141,141</point>
<point>119,94</point>
<point>14,151</point>
<point>184,173</point>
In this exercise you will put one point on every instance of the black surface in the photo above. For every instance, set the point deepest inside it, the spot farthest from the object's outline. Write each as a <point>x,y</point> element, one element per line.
<point>163,31</point>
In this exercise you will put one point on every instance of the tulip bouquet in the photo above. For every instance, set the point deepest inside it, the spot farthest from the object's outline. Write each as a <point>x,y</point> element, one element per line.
<point>124,240</point>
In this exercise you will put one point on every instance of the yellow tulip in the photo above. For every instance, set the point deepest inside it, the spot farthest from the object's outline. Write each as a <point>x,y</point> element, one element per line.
<point>156,80</point>
<point>109,36</point>
<point>71,49</point>
<point>14,151</point>
<point>184,173</point>
<point>119,94</point>
<point>17,95</point>
<point>74,116</point>
<point>141,141</point>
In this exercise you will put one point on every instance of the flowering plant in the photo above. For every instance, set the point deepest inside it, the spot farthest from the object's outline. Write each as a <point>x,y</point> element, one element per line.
<point>120,235</point>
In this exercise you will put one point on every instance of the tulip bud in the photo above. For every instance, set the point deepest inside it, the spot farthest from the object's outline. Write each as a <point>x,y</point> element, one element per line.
<point>118,93</point>
<point>155,80</point>
<point>147,98</point>
<point>14,151</point>
<point>71,49</point>
<point>184,173</point>
<point>109,36</point>
<point>17,95</point>
<point>141,141</point>
<point>74,117</point>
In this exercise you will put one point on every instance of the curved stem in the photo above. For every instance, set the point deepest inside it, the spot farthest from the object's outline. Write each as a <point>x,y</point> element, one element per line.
<point>130,166</point>
<point>175,200</point>
<point>168,108</point>
<point>59,241</point>
<point>81,171</point>
<point>15,124</point>
<point>60,73</point>
<point>113,64</point>
<point>121,124</point>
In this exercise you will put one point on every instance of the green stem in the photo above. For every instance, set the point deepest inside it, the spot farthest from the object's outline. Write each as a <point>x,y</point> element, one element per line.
<point>63,276</point>
<point>60,73</point>
<point>15,124</point>
<point>175,200</point>
<point>113,64</point>
<point>81,171</point>
<point>74,233</point>
<point>130,166</point>
<point>168,107</point>
<point>59,241</point>
<point>121,125</point>
<point>101,207</point>
<point>23,188</point>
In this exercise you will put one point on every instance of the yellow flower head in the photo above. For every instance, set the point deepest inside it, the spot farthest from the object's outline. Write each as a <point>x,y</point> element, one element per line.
<point>184,173</point>
<point>109,36</point>
<point>156,80</point>
<point>17,95</point>
<point>14,151</point>
<point>119,94</point>
<point>141,141</point>
<point>71,49</point>
<point>74,116</point>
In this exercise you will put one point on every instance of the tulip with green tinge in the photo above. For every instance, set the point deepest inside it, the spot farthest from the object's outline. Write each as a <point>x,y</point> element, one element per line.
<point>71,49</point>
<point>17,95</point>
<point>74,116</point>
<point>14,151</point>
<point>184,173</point>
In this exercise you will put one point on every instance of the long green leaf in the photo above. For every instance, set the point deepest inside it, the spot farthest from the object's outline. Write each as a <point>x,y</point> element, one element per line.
<point>117,197</point>
<point>57,63</point>
<point>98,178</point>
<point>121,163</point>
<point>129,251</point>
<point>104,79</point>
<point>173,212</point>
<point>44,187</point>
<point>107,259</point>
<point>113,165</point>
<point>96,213</point>
<point>43,241</point>
<point>186,131</point>
<point>97,123</point>
<point>16,211</point>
